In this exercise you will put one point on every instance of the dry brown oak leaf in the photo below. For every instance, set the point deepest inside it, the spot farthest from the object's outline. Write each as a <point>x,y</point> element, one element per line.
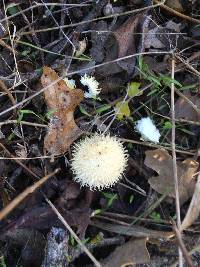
<point>160,161</point>
<point>183,110</point>
<point>62,101</point>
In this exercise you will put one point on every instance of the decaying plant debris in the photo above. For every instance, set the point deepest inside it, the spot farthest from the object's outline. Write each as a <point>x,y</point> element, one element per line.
<point>75,69</point>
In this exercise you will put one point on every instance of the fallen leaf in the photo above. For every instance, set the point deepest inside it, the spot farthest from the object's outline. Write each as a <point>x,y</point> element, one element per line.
<point>175,4</point>
<point>183,110</point>
<point>194,208</point>
<point>133,89</point>
<point>131,230</point>
<point>31,241</point>
<point>132,252</point>
<point>152,40</point>
<point>63,130</point>
<point>125,38</point>
<point>160,161</point>
<point>122,110</point>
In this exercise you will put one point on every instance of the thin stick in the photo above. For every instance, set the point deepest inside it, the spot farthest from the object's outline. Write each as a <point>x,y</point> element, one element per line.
<point>174,161</point>
<point>16,201</point>
<point>154,145</point>
<point>187,100</point>
<point>186,63</point>
<point>176,13</point>
<point>23,122</point>
<point>83,247</point>
<point>4,88</point>
<point>182,245</point>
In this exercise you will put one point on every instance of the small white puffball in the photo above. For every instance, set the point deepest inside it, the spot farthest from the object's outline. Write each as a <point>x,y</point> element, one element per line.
<point>92,85</point>
<point>98,161</point>
<point>148,130</point>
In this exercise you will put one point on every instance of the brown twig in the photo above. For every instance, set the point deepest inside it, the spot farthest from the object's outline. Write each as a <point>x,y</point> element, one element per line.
<point>176,13</point>
<point>28,123</point>
<point>16,201</point>
<point>82,245</point>
<point>2,43</point>
<point>182,245</point>
<point>5,90</point>
<point>174,160</point>
<point>187,100</point>
<point>188,66</point>
<point>155,145</point>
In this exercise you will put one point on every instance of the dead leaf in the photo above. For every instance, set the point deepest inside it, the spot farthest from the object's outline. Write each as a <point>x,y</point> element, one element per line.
<point>125,38</point>
<point>183,110</point>
<point>152,40</point>
<point>175,4</point>
<point>194,208</point>
<point>62,101</point>
<point>131,230</point>
<point>160,161</point>
<point>132,252</point>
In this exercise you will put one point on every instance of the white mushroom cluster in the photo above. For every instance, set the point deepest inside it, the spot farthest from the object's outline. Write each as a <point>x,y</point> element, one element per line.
<point>98,161</point>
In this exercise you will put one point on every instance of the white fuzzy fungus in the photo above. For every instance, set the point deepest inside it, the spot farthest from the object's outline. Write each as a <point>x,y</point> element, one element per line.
<point>92,85</point>
<point>98,161</point>
<point>148,130</point>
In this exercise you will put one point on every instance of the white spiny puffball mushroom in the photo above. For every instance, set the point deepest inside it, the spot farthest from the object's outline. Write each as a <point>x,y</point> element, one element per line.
<point>148,130</point>
<point>92,85</point>
<point>98,161</point>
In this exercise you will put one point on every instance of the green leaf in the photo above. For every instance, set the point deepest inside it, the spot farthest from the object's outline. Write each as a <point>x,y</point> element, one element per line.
<point>110,198</point>
<point>131,198</point>
<point>187,87</point>
<point>82,110</point>
<point>122,110</point>
<point>103,108</point>
<point>133,89</point>
<point>154,79</point>
<point>168,80</point>
<point>155,216</point>
<point>167,125</point>
<point>12,9</point>
<point>97,211</point>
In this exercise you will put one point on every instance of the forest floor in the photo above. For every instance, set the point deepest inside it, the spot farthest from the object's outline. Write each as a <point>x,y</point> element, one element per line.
<point>69,69</point>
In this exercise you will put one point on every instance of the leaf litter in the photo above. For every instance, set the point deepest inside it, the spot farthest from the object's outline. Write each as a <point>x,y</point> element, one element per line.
<point>62,101</point>
<point>160,161</point>
<point>98,40</point>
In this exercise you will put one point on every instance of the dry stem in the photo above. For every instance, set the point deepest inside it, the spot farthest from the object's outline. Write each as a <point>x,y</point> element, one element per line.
<point>174,162</point>
<point>16,201</point>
